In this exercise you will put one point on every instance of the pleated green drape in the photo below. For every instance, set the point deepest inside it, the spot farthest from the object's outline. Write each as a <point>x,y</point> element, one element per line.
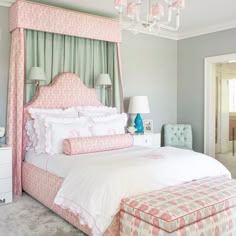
<point>85,57</point>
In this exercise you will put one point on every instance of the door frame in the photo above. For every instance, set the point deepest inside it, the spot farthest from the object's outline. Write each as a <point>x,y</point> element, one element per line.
<point>209,99</point>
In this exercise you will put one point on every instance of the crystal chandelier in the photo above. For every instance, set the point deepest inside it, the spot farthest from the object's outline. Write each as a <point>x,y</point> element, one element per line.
<point>149,15</point>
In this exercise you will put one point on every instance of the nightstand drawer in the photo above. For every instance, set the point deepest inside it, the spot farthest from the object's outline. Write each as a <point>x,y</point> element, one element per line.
<point>143,140</point>
<point>5,171</point>
<point>5,156</point>
<point>5,185</point>
<point>149,140</point>
<point>5,198</point>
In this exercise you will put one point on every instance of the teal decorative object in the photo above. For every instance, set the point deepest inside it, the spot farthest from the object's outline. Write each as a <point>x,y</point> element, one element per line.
<point>138,124</point>
<point>138,105</point>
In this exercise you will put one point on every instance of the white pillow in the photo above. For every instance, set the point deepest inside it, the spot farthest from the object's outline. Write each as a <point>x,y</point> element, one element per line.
<point>59,129</point>
<point>109,125</point>
<point>112,117</point>
<point>93,111</point>
<point>39,116</point>
<point>33,111</point>
<point>29,126</point>
<point>36,111</point>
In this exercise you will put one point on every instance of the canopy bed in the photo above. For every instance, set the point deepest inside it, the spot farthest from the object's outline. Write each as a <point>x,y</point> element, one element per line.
<point>86,188</point>
<point>38,17</point>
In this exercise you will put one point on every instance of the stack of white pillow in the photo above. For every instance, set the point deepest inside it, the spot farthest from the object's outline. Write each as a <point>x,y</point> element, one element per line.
<point>49,127</point>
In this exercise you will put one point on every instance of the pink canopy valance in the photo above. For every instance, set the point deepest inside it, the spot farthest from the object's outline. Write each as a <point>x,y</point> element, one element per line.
<point>31,15</point>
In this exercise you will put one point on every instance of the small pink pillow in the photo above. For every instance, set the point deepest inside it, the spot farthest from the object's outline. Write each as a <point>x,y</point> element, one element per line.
<point>82,145</point>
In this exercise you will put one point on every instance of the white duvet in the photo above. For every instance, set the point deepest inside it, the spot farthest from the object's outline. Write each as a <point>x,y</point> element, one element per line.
<point>95,187</point>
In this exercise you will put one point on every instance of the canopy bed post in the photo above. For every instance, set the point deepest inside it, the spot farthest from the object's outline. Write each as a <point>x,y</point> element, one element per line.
<point>120,75</point>
<point>15,104</point>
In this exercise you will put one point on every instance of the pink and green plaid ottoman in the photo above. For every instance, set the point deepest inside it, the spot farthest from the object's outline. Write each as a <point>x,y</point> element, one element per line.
<point>199,208</point>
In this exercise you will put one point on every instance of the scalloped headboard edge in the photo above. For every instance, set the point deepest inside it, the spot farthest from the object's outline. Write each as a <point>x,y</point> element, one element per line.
<point>65,91</point>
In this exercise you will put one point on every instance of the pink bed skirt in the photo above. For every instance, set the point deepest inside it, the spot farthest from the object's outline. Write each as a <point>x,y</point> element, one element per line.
<point>43,186</point>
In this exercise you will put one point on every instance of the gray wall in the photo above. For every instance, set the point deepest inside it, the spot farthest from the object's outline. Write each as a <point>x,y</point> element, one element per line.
<point>191,54</point>
<point>4,63</point>
<point>150,68</point>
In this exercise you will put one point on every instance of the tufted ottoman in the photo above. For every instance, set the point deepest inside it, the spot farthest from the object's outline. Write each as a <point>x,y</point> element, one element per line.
<point>202,207</point>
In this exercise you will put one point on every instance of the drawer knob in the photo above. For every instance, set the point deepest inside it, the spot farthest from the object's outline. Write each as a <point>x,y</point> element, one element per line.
<point>2,201</point>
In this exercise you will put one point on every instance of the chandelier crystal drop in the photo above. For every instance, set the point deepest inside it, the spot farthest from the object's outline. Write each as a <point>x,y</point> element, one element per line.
<point>150,15</point>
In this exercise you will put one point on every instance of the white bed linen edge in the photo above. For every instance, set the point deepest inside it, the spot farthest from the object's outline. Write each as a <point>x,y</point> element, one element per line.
<point>95,187</point>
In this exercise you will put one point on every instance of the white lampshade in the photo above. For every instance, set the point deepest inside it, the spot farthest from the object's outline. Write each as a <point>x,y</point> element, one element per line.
<point>37,73</point>
<point>139,104</point>
<point>103,79</point>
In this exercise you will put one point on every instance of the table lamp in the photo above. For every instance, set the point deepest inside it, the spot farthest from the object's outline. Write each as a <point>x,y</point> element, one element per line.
<point>104,80</point>
<point>138,105</point>
<point>37,74</point>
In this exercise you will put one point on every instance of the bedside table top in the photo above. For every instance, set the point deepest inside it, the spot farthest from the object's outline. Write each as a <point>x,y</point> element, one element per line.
<point>4,146</point>
<point>137,135</point>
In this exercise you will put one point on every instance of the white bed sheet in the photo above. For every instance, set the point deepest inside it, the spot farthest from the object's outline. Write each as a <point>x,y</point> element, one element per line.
<point>61,164</point>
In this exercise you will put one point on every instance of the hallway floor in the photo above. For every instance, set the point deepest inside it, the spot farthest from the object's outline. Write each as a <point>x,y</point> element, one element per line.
<point>229,161</point>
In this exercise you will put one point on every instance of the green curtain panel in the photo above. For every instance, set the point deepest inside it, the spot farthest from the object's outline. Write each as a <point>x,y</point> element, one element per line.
<point>85,57</point>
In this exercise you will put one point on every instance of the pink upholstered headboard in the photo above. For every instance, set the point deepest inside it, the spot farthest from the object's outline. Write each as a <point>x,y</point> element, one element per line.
<point>65,91</point>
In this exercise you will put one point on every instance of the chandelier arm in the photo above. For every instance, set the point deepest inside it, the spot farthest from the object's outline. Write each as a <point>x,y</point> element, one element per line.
<point>138,12</point>
<point>170,8</point>
<point>167,27</point>
<point>178,18</point>
<point>152,26</point>
<point>149,11</point>
<point>172,28</point>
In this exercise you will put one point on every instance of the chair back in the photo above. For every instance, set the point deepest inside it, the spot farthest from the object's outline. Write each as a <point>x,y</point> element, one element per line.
<point>178,135</point>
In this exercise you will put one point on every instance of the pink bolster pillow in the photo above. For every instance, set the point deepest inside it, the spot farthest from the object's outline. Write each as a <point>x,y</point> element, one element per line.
<point>82,145</point>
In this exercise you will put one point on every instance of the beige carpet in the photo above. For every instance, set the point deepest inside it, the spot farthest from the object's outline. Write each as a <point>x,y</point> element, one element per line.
<point>27,217</point>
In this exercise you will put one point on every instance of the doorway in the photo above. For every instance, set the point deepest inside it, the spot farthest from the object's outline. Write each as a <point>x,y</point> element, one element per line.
<point>219,118</point>
<point>226,115</point>
<point>225,108</point>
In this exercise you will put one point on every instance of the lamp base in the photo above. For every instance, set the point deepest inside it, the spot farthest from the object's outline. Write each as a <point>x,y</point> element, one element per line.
<point>138,124</point>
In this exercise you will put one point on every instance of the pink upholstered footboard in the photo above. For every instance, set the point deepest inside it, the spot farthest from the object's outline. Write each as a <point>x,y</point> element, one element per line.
<point>44,186</point>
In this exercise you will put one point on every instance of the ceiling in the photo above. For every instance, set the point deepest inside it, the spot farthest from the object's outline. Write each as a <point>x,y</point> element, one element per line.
<point>199,17</point>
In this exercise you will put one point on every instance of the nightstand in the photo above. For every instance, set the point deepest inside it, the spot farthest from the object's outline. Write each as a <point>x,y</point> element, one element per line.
<point>5,174</point>
<point>148,140</point>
